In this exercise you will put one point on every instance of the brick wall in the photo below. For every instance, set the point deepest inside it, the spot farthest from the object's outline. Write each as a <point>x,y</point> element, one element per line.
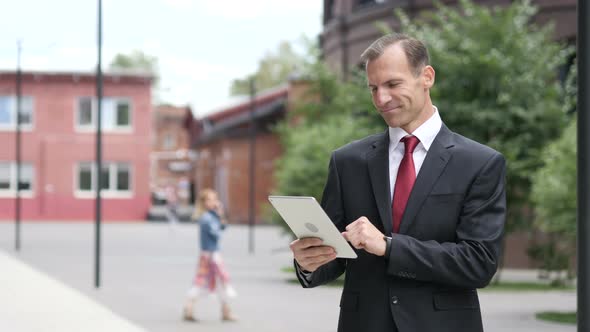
<point>54,147</point>
<point>225,166</point>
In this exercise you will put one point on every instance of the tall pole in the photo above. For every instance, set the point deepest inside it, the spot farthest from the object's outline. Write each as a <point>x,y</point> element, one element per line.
<point>98,149</point>
<point>18,148</point>
<point>252,210</point>
<point>583,166</point>
<point>343,29</point>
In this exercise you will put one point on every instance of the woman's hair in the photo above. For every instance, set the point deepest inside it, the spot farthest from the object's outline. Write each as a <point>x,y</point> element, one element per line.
<point>200,203</point>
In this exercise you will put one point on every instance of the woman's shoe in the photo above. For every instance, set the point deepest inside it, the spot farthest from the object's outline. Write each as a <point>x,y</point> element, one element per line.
<point>226,314</point>
<point>187,315</point>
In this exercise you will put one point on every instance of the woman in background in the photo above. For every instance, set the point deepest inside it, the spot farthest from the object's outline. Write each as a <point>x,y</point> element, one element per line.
<point>211,273</point>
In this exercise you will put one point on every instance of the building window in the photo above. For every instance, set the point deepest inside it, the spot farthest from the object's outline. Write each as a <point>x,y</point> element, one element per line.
<point>115,178</point>
<point>85,177</point>
<point>8,177</point>
<point>169,141</point>
<point>116,114</point>
<point>8,112</point>
<point>328,10</point>
<point>365,3</point>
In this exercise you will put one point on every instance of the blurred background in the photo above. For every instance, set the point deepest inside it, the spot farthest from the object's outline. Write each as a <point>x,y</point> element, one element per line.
<point>250,98</point>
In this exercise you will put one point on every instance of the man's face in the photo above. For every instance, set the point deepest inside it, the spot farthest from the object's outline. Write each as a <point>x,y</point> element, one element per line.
<point>401,97</point>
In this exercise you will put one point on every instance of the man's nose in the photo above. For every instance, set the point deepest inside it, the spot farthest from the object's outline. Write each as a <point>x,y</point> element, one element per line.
<point>382,97</point>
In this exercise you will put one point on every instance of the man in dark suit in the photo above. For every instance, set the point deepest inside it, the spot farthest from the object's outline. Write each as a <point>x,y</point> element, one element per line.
<point>424,208</point>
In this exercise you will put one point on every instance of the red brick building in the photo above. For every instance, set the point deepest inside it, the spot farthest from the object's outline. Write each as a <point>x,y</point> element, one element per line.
<point>58,177</point>
<point>171,157</point>
<point>222,143</point>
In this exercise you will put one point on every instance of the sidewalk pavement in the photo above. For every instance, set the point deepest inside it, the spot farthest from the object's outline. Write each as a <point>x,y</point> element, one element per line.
<point>32,301</point>
<point>147,268</point>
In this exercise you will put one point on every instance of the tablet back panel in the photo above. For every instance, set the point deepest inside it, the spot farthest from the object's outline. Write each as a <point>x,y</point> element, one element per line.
<point>306,218</point>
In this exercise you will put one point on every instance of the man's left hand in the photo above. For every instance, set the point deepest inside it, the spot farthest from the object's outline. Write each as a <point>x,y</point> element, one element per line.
<point>362,234</point>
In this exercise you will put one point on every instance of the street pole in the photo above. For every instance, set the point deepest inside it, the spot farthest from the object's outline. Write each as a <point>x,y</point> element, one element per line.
<point>252,210</point>
<point>583,166</point>
<point>343,29</point>
<point>18,148</point>
<point>98,149</point>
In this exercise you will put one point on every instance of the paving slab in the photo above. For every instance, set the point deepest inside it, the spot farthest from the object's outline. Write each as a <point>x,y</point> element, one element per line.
<point>146,269</point>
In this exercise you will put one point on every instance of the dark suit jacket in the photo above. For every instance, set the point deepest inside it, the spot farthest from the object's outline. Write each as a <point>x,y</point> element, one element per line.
<point>448,244</point>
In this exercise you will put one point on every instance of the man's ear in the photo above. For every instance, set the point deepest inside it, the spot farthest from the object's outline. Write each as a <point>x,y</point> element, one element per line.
<point>428,75</point>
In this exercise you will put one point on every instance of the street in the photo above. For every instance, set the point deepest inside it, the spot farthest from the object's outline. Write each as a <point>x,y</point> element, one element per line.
<point>148,267</point>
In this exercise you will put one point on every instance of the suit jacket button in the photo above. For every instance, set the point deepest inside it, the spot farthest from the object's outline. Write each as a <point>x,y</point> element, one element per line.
<point>394,300</point>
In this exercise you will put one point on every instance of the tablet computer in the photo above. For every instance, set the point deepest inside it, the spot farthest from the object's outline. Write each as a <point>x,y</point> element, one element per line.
<point>306,218</point>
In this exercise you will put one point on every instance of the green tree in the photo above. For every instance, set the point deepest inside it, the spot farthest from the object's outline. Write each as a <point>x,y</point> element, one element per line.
<point>303,169</point>
<point>554,192</point>
<point>497,84</point>
<point>137,60</point>
<point>274,69</point>
<point>333,114</point>
<point>140,62</point>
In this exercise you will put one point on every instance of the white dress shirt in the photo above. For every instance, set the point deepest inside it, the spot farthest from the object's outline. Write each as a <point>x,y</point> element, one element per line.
<point>425,133</point>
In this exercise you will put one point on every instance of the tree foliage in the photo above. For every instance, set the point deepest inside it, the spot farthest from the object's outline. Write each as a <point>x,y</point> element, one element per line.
<point>303,169</point>
<point>497,84</point>
<point>135,60</point>
<point>554,191</point>
<point>139,61</point>
<point>334,114</point>
<point>274,69</point>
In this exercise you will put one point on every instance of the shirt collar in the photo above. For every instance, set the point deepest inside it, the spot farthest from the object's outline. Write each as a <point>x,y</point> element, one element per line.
<point>425,133</point>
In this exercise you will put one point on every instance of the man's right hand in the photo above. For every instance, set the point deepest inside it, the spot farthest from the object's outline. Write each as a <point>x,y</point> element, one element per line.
<point>310,254</point>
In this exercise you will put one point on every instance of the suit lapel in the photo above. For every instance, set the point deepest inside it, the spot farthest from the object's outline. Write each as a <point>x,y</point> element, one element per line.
<point>378,164</point>
<point>436,159</point>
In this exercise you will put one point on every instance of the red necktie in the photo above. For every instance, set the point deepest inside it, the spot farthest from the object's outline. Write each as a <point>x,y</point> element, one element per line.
<point>406,176</point>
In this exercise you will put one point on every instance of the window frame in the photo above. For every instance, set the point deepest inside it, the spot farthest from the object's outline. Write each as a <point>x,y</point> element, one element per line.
<point>11,191</point>
<point>169,141</point>
<point>11,126</point>
<point>91,128</point>
<point>112,191</point>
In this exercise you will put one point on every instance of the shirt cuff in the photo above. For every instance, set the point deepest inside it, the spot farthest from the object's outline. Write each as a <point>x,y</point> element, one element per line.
<point>304,276</point>
<point>387,247</point>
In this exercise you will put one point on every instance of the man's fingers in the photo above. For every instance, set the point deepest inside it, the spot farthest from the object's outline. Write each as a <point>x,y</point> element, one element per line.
<point>316,251</point>
<point>312,263</point>
<point>360,222</point>
<point>313,257</point>
<point>356,240</point>
<point>322,259</point>
<point>358,244</point>
<point>306,243</point>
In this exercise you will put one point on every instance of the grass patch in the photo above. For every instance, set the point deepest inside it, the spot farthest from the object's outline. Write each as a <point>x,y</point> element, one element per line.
<point>526,287</point>
<point>288,269</point>
<point>557,317</point>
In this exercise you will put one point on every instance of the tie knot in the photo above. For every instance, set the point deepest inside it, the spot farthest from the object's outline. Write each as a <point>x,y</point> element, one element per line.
<point>410,143</point>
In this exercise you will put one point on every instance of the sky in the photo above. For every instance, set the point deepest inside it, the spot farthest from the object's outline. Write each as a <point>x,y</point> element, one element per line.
<point>201,45</point>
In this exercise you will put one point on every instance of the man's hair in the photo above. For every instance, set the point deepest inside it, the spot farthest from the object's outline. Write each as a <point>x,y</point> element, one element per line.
<point>415,50</point>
